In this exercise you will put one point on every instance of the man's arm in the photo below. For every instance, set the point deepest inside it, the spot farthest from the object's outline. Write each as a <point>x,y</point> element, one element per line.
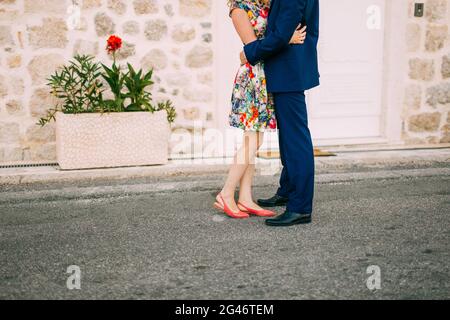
<point>289,19</point>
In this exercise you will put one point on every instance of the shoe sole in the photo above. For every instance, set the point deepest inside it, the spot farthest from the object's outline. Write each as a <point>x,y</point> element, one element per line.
<point>289,224</point>
<point>219,208</point>
<point>272,205</point>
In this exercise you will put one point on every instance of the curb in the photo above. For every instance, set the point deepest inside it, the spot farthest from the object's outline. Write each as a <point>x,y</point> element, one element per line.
<point>183,169</point>
<point>201,185</point>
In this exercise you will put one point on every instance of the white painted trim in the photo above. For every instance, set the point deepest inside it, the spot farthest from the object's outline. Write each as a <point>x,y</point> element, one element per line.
<point>226,64</point>
<point>215,45</point>
<point>395,66</point>
<point>227,45</point>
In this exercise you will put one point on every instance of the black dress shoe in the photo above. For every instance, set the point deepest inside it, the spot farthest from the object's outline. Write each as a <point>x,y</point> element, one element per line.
<point>275,201</point>
<point>288,219</point>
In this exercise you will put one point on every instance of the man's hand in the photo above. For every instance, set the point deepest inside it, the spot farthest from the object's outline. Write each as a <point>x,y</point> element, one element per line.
<point>243,58</point>
<point>289,17</point>
<point>299,36</point>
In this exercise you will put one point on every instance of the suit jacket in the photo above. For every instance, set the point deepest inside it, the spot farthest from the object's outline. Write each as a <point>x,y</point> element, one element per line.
<point>289,68</point>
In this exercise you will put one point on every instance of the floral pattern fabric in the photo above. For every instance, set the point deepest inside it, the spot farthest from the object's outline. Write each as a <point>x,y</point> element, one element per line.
<point>252,106</point>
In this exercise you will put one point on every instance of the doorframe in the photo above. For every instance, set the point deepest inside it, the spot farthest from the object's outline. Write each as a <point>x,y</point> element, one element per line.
<point>395,66</point>
<point>223,89</point>
<point>217,85</point>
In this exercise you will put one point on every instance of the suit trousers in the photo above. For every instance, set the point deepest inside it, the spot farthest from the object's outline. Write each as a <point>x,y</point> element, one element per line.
<point>297,152</point>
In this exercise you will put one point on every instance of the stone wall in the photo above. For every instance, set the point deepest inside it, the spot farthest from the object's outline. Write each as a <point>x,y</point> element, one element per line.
<point>36,36</point>
<point>426,117</point>
<point>175,37</point>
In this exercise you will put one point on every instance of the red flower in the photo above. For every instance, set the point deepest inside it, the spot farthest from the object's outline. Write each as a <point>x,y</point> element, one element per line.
<point>272,124</point>
<point>264,13</point>
<point>113,44</point>
<point>243,117</point>
<point>250,71</point>
<point>255,112</point>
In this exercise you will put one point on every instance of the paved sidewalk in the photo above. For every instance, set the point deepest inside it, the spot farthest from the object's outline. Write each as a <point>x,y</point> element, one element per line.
<point>36,177</point>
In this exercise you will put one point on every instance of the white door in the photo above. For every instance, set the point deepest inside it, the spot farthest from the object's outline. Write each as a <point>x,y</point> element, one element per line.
<point>347,107</point>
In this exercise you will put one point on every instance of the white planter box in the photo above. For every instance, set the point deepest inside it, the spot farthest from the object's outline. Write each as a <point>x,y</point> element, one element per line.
<point>85,141</point>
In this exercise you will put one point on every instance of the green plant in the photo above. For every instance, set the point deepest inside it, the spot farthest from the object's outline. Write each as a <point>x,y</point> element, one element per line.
<point>170,109</point>
<point>115,78</point>
<point>77,87</point>
<point>136,83</point>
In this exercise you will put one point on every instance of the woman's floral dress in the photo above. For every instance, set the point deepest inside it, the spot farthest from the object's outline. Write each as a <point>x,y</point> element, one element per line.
<point>252,106</point>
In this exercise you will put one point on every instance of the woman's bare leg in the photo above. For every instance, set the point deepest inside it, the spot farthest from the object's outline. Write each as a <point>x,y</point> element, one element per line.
<point>244,156</point>
<point>245,190</point>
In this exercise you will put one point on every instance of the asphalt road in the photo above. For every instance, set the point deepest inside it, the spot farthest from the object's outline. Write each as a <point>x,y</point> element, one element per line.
<point>170,244</point>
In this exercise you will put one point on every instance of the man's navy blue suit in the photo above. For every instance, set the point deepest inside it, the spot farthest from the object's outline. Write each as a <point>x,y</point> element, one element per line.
<point>290,70</point>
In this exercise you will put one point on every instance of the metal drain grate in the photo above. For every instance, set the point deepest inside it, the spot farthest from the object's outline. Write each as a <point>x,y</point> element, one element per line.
<point>27,165</point>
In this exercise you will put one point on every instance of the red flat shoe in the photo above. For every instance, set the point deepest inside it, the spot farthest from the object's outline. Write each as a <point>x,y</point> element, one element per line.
<point>228,211</point>
<point>260,213</point>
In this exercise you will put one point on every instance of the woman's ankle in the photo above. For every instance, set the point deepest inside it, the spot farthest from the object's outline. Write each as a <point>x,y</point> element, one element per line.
<point>227,194</point>
<point>246,199</point>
